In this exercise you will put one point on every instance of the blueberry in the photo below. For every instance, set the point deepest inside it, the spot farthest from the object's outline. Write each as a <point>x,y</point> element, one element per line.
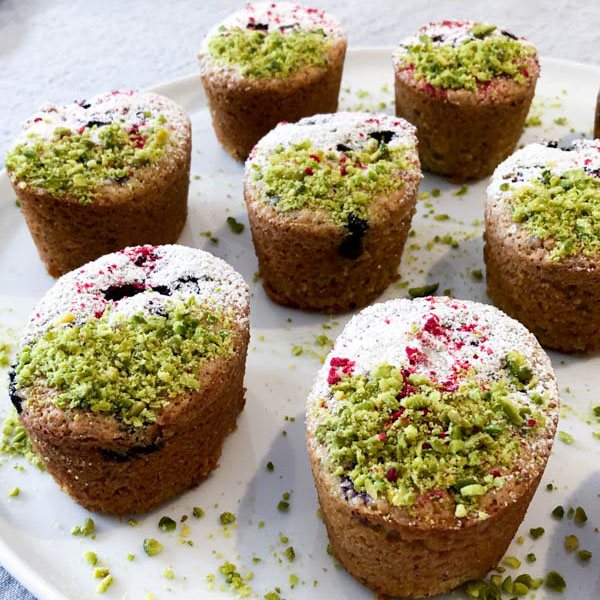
<point>384,137</point>
<point>351,247</point>
<point>12,391</point>
<point>114,293</point>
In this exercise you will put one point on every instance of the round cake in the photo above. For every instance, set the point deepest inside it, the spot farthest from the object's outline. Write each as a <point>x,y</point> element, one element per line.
<point>130,375</point>
<point>95,176</point>
<point>542,250</point>
<point>266,63</point>
<point>330,201</point>
<point>428,429</point>
<point>467,87</point>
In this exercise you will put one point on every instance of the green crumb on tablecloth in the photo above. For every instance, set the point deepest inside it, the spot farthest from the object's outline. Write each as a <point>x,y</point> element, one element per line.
<point>477,274</point>
<point>283,506</point>
<point>464,188</point>
<point>85,529</point>
<point>167,524</point>
<point>152,547</point>
<point>323,340</point>
<point>16,442</point>
<point>235,226</point>
<point>91,558</point>
<point>531,558</point>
<point>561,121</point>
<point>565,437</point>
<point>549,487</point>
<point>272,596</point>
<point>226,518</point>
<point>261,524</point>
<point>536,532</point>
<point>425,290</point>
<point>270,466</point>
<point>571,543</point>
<point>14,491</point>
<point>580,515</point>
<point>130,557</point>
<point>558,512</point>
<point>442,217</point>
<point>101,572</point>
<point>290,554</point>
<point>293,580</point>
<point>104,584</point>
<point>435,192</point>
<point>296,350</point>
<point>132,522</point>
<point>168,573</point>
<point>555,581</point>
<point>511,561</point>
<point>584,555</point>
<point>235,580</point>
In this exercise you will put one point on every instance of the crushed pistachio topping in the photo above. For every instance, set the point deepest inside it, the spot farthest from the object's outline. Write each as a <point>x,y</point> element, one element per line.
<point>261,54</point>
<point>339,182</point>
<point>128,367</point>
<point>78,162</point>
<point>152,547</point>
<point>565,209</point>
<point>16,442</point>
<point>478,58</point>
<point>167,524</point>
<point>235,580</point>
<point>400,436</point>
<point>86,528</point>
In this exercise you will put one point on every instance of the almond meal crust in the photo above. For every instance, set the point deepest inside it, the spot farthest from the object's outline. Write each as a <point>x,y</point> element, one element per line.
<point>244,110</point>
<point>108,467</point>
<point>465,134</point>
<point>149,208</point>
<point>558,301</point>
<point>299,252</point>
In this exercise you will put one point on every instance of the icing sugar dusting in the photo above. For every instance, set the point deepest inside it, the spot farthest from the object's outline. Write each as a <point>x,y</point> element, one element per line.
<point>130,109</point>
<point>277,16</point>
<point>530,162</point>
<point>436,337</point>
<point>141,279</point>
<point>327,132</point>
<point>449,33</point>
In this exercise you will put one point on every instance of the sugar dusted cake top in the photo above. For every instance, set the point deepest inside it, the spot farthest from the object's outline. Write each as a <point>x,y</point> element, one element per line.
<point>141,279</point>
<point>432,405</point>
<point>553,194</point>
<point>269,39</point>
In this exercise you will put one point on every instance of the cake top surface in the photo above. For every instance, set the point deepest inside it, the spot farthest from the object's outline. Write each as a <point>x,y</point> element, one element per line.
<point>431,398</point>
<point>127,334</point>
<point>349,130</point>
<point>462,54</point>
<point>553,194</point>
<point>334,163</point>
<point>138,280</point>
<point>61,148</point>
<point>269,39</point>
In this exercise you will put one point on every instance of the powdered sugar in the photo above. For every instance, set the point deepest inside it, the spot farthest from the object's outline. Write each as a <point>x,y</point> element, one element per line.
<point>280,16</point>
<point>530,162</point>
<point>438,338</point>
<point>130,109</point>
<point>327,132</point>
<point>142,279</point>
<point>448,33</point>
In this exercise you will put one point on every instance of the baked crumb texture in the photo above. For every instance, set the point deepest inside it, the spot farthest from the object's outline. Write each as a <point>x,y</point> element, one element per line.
<point>330,201</point>
<point>266,63</point>
<point>97,175</point>
<point>542,242</point>
<point>428,429</point>
<point>130,375</point>
<point>467,87</point>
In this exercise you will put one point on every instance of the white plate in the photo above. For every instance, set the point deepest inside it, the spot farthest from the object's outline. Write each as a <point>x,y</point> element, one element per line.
<point>35,540</point>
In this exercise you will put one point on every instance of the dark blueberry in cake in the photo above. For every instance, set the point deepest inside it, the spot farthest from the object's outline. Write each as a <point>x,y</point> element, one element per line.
<point>351,247</point>
<point>343,148</point>
<point>382,136</point>
<point>12,391</point>
<point>114,293</point>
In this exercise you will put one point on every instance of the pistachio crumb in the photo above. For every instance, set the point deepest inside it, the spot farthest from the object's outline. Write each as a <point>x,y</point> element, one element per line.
<point>197,512</point>
<point>152,547</point>
<point>227,518</point>
<point>167,524</point>
<point>555,581</point>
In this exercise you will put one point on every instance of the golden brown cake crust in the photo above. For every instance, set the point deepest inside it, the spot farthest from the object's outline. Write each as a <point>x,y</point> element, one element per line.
<point>153,210</point>
<point>559,302</point>
<point>120,466</point>
<point>424,549</point>
<point>299,254</point>
<point>464,134</point>
<point>109,468</point>
<point>244,110</point>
